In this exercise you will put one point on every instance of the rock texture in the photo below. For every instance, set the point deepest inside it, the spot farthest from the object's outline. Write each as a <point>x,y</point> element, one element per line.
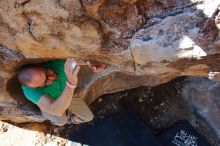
<point>203,95</point>
<point>142,42</point>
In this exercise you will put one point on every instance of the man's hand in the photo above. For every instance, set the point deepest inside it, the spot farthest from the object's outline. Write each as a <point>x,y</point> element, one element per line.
<point>71,70</point>
<point>96,67</point>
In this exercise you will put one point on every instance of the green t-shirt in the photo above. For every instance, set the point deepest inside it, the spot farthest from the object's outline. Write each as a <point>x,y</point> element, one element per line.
<point>53,90</point>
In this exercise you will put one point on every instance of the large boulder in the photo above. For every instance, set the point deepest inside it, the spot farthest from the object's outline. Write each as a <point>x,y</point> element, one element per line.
<point>142,42</point>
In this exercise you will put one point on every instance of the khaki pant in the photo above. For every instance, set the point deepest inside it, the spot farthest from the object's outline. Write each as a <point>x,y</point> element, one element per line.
<point>79,113</point>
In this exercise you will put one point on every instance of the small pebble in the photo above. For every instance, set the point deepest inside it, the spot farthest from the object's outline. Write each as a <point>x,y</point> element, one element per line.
<point>56,130</point>
<point>100,100</point>
<point>140,99</point>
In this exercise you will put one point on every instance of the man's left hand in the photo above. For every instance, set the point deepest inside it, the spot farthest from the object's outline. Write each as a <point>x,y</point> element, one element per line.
<point>96,67</point>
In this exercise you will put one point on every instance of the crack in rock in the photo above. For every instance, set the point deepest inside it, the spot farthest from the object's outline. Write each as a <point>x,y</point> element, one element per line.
<point>21,4</point>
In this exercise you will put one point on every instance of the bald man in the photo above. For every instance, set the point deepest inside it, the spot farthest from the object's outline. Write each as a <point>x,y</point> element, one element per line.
<point>51,86</point>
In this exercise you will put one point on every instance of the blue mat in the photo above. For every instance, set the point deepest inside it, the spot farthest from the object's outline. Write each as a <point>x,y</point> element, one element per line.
<point>122,129</point>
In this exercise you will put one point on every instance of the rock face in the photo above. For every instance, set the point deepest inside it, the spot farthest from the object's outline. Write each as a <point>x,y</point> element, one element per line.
<point>203,95</point>
<point>142,42</point>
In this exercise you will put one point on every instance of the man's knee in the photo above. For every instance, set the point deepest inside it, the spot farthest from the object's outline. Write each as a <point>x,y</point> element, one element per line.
<point>90,117</point>
<point>87,118</point>
<point>55,120</point>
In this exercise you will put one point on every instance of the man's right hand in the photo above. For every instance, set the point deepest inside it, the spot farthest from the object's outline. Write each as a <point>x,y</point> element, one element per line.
<point>71,71</point>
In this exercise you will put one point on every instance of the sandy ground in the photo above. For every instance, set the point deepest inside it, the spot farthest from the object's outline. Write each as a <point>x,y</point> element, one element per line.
<point>29,135</point>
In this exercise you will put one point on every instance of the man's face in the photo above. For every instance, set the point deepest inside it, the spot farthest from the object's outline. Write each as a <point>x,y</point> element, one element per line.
<point>41,77</point>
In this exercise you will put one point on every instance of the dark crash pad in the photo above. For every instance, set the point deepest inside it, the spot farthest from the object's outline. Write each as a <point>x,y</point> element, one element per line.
<point>182,134</point>
<point>121,129</point>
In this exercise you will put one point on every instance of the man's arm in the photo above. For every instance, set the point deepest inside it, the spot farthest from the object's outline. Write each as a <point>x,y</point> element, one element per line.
<point>95,66</point>
<point>59,106</point>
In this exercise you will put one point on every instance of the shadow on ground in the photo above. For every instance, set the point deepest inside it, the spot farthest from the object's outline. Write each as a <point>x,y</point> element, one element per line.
<point>159,107</point>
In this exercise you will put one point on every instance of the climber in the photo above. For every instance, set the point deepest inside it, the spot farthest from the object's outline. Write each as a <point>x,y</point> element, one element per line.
<point>51,85</point>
